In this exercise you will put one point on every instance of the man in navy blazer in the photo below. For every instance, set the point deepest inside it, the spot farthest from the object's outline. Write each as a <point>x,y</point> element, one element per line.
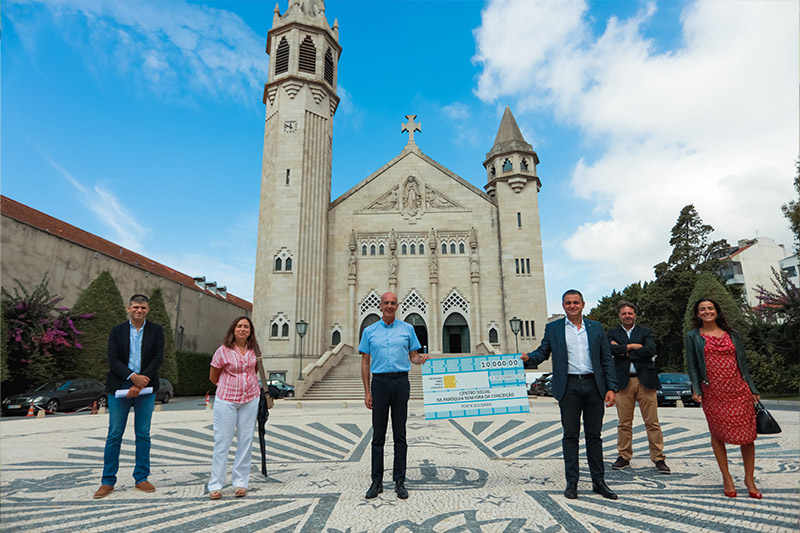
<point>634,348</point>
<point>584,382</point>
<point>135,353</point>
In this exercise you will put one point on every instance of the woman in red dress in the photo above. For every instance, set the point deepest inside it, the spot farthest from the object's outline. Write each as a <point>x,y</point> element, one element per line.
<point>717,366</point>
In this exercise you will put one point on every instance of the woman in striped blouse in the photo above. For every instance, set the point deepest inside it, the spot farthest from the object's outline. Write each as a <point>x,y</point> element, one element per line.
<point>233,370</point>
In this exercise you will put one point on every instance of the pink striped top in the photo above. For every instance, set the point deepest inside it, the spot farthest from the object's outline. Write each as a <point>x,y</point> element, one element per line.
<point>238,382</point>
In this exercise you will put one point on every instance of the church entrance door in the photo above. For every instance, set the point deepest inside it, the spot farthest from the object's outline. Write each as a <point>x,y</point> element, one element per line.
<point>368,321</point>
<point>420,329</point>
<point>455,334</point>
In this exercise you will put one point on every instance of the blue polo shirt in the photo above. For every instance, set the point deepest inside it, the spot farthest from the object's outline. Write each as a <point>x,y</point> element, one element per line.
<point>389,345</point>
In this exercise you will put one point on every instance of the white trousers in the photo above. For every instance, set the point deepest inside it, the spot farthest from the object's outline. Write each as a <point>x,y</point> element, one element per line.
<point>229,418</point>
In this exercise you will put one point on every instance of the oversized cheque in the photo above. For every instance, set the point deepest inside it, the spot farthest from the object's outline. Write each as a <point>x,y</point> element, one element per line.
<point>479,385</point>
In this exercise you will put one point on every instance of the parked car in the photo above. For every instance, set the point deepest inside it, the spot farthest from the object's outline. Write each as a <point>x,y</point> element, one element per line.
<point>286,390</point>
<point>58,395</point>
<point>543,386</point>
<point>165,391</point>
<point>675,387</point>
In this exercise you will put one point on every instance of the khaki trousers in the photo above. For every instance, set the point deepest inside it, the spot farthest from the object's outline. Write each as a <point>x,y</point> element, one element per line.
<point>648,407</point>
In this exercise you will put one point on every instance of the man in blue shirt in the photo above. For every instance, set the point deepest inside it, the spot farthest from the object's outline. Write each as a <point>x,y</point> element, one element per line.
<point>135,353</point>
<point>388,347</point>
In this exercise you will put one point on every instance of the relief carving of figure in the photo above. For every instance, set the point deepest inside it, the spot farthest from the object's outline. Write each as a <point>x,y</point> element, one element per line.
<point>434,263</point>
<point>474,262</point>
<point>351,266</point>
<point>387,202</point>
<point>393,266</point>
<point>436,200</point>
<point>412,200</point>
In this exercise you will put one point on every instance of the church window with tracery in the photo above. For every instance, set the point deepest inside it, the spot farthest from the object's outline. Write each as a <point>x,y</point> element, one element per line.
<point>507,166</point>
<point>523,164</point>
<point>413,301</point>
<point>329,71</point>
<point>371,303</point>
<point>279,328</point>
<point>454,301</point>
<point>282,57</point>
<point>283,261</point>
<point>308,56</point>
<point>492,171</point>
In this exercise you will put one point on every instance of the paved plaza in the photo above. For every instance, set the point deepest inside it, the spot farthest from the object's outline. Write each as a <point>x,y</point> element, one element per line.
<point>489,474</point>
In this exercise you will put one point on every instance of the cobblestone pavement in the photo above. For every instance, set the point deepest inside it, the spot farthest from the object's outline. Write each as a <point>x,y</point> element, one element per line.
<point>489,474</point>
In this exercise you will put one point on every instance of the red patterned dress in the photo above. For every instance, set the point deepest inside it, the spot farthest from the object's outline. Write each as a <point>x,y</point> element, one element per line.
<point>727,400</point>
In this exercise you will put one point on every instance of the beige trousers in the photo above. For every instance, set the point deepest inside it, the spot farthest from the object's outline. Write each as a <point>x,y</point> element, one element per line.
<point>648,407</point>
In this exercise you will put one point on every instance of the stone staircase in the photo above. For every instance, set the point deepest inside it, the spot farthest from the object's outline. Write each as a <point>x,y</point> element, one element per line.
<point>343,382</point>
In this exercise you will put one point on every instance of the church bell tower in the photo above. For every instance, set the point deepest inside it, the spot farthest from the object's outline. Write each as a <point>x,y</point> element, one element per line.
<point>513,182</point>
<point>300,98</point>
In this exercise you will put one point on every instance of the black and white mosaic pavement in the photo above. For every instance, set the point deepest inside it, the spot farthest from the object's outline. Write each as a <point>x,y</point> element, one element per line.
<point>493,474</point>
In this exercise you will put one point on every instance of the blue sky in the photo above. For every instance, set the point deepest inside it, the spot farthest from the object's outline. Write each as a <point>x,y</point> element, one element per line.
<point>142,122</point>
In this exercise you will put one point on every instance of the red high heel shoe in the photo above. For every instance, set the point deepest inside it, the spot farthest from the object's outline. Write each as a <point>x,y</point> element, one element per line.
<point>756,495</point>
<point>731,494</point>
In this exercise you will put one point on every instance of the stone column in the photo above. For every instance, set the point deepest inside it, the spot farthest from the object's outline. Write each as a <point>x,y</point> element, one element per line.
<point>351,281</point>
<point>434,332</point>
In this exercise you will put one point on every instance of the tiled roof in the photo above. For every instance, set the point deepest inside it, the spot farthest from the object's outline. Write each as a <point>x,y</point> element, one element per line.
<point>59,228</point>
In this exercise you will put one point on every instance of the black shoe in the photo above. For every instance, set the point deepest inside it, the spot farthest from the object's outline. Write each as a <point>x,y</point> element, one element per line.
<point>602,489</point>
<point>620,463</point>
<point>662,467</point>
<point>400,489</point>
<point>571,492</point>
<point>374,490</point>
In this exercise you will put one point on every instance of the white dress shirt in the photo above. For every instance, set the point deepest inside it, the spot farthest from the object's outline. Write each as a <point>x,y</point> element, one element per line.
<point>578,359</point>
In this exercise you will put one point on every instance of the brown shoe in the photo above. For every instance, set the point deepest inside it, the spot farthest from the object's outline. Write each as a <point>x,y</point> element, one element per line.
<point>103,491</point>
<point>145,486</point>
<point>620,463</point>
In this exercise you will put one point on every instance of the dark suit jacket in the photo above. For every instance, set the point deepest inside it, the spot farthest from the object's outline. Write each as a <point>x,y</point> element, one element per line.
<point>119,349</point>
<point>555,342</point>
<point>642,358</point>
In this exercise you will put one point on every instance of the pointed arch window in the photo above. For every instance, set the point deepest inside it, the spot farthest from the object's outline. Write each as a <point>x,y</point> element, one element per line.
<point>492,171</point>
<point>421,249</point>
<point>278,264</point>
<point>461,247</point>
<point>285,330</point>
<point>452,247</point>
<point>381,250</point>
<point>372,249</point>
<point>283,260</point>
<point>336,338</point>
<point>524,164</point>
<point>444,248</point>
<point>493,336</point>
<point>507,166</point>
<point>363,249</point>
<point>288,265</point>
<point>274,332</point>
<point>329,71</point>
<point>308,56</point>
<point>404,249</point>
<point>282,57</point>
<point>413,249</point>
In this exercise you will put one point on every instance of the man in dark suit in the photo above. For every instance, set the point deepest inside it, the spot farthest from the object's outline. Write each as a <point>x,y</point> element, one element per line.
<point>584,382</point>
<point>135,353</point>
<point>634,348</point>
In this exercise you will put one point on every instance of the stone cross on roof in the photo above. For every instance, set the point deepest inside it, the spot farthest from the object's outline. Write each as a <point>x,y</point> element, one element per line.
<point>411,127</point>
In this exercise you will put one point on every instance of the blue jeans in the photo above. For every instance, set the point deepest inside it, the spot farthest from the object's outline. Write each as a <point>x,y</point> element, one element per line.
<point>118,409</point>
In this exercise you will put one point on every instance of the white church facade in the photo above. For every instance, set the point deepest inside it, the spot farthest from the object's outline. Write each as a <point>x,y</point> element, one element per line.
<point>462,261</point>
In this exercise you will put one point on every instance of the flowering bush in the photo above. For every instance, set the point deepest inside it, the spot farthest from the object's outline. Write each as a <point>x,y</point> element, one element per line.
<point>38,333</point>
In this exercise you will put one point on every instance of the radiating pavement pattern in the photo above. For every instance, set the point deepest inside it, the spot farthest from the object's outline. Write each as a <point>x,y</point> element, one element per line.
<point>492,474</point>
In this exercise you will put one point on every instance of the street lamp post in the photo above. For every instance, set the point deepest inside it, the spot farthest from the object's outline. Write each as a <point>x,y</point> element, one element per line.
<point>516,326</point>
<point>302,327</point>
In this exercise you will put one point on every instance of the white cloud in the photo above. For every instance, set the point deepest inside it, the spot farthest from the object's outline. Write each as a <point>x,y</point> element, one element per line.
<point>126,229</point>
<point>714,123</point>
<point>170,48</point>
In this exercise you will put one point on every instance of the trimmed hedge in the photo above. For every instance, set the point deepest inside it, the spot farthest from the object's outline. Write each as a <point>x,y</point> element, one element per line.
<point>193,368</point>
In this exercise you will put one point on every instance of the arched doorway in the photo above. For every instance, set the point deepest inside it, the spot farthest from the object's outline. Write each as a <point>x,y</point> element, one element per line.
<point>455,334</point>
<point>368,321</point>
<point>419,328</point>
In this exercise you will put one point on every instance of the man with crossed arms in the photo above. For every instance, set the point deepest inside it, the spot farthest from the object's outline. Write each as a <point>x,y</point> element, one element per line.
<point>633,348</point>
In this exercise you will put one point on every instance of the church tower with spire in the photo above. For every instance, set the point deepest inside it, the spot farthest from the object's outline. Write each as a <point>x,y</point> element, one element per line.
<point>300,98</point>
<point>513,183</point>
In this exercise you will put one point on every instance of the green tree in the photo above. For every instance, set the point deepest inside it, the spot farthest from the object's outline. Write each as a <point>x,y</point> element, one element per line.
<point>791,210</point>
<point>39,333</point>
<point>664,301</point>
<point>159,315</point>
<point>709,286</point>
<point>606,309</point>
<point>103,299</point>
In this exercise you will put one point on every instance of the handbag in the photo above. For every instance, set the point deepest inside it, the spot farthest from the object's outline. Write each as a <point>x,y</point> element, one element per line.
<point>765,424</point>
